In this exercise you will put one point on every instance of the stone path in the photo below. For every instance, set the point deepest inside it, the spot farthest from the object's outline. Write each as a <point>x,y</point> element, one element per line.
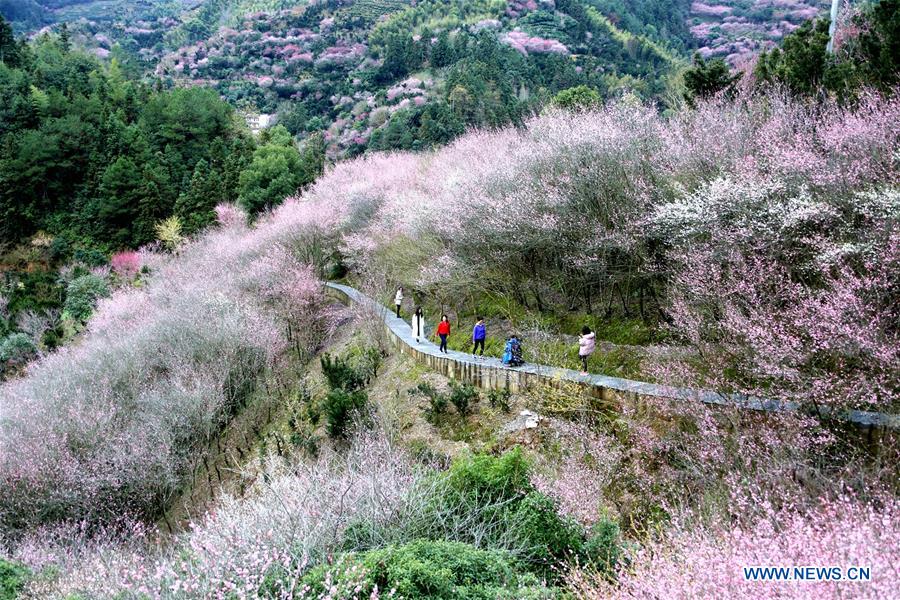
<point>488,372</point>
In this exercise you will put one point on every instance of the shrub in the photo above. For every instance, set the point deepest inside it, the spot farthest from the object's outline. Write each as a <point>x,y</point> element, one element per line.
<point>126,264</point>
<point>90,256</point>
<point>482,478</point>
<point>546,537</point>
<point>340,374</point>
<point>429,569</point>
<point>474,501</point>
<point>12,579</point>
<point>603,547</point>
<point>366,360</point>
<point>82,296</point>
<point>462,397</point>
<point>340,408</point>
<point>169,232</point>
<point>499,399</point>
<point>437,402</point>
<point>16,349</point>
<point>499,494</point>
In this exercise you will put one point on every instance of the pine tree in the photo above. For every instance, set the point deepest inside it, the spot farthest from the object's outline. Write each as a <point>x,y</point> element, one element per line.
<point>707,78</point>
<point>312,159</point>
<point>9,48</point>
<point>442,53</point>
<point>119,202</point>
<point>65,44</point>
<point>195,207</point>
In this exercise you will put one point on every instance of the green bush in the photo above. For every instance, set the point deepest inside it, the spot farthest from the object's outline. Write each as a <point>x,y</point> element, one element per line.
<point>499,399</point>
<point>437,402</point>
<point>340,407</point>
<point>429,570</point>
<point>603,548</point>
<point>82,295</point>
<point>546,537</point>
<point>365,360</point>
<point>12,579</point>
<point>92,257</point>
<point>482,478</point>
<point>340,374</point>
<point>16,349</point>
<point>462,397</point>
<point>488,501</point>
<point>498,493</point>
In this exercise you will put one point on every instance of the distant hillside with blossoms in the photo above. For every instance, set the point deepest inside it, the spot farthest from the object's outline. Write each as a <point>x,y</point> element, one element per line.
<point>395,74</point>
<point>737,30</point>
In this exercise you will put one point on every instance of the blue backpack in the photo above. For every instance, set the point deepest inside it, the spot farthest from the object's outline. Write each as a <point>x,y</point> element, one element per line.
<point>512,353</point>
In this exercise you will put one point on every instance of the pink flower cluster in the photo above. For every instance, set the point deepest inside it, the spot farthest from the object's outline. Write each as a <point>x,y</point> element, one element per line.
<point>126,264</point>
<point>703,562</point>
<point>256,546</point>
<point>524,43</point>
<point>118,421</point>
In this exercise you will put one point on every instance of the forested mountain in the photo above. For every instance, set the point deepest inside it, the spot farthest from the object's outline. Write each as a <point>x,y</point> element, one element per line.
<point>396,74</point>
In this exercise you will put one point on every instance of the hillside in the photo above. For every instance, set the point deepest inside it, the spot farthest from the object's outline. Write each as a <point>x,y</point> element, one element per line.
<point>387,75</point>
<point>390,74</point>
<point>759,271</point>
<point>188,411</point>
<point>737,30</point>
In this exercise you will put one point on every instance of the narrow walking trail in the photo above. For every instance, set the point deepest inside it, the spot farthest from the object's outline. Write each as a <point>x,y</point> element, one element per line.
<point>491,373</point>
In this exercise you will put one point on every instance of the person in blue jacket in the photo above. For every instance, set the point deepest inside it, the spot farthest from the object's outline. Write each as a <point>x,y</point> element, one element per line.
<point>479,334</point>
<point>512,353</point>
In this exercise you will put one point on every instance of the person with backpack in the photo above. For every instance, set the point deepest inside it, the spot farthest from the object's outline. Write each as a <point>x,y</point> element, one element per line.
<point>398,299</point>
<point>479,334</point>
<point>512,352</point>
<point>443,330</point>
<point>418,324</point>
<point>586,345</point>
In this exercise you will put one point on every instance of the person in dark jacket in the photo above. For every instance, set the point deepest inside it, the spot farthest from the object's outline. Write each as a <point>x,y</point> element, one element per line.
<point>479,334</point>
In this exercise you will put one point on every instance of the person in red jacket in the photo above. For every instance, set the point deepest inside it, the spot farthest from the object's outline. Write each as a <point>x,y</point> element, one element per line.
<point>443,330</point>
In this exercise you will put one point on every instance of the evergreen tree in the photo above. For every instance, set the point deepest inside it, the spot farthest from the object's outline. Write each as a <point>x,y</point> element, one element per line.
<point>442,54</point>
<point>156,200</point>
<point>879,45</point>
<point>801,63</point>
<point>312,159</point>
<point>121,193</point>
<point>65,44</point>
<point>195,206</point>
<point>707,78</point>
<point>9,48</point>
<point>274,173</point>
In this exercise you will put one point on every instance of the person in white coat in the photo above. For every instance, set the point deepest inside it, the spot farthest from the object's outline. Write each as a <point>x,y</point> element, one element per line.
<point>586,345</point>
<point>418,324</point>
<point>398,299</point>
